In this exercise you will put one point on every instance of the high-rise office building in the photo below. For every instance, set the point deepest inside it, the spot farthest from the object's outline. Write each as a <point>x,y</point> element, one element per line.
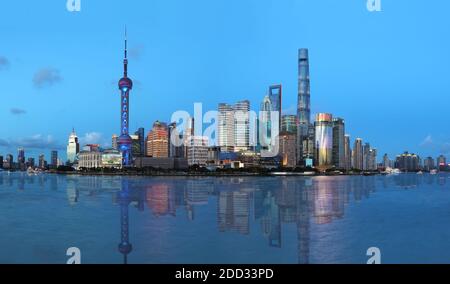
<point>1,162</point>
<point>408,162</point>
<point>268,127</point>
<point>441,162</point>
<point>428,164</point>
<point>234,126</point>
<point>141,136</point>
<point>303,105</point>
<point>241,126</point>
<point>324,141</point>
<point>339,143</point>
<point>309,146</point>
<point>135,145</point>
<point>73,147</point>
<point>124,142</point>
<point>368,158</point>
<point>275,95</point>
<point>54,159</point>
<point>30,162</point>
<point>42,162</point>
<point>114,141</point>
<point>347,153</point>
<point>372,166</point>
<point>21,156</point>
<point>197,150</point>
<point>357,155</point>
<point>188,132</point>
<point>289,123</point>
<point>175,140</point>
<point>386,161</point>
<point>287,149</point>
<point>158,141</point>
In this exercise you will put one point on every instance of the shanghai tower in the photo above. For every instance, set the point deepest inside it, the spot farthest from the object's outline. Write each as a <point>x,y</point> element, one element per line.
<point>303,105</point>
<point>124,142</point>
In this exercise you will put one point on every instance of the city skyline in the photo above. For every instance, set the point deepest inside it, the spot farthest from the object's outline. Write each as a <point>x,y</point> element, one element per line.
<point>43,110</point>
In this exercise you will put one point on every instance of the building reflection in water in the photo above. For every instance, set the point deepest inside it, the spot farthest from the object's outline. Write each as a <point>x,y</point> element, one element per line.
<point>302,202</point>
<point>128,194</point>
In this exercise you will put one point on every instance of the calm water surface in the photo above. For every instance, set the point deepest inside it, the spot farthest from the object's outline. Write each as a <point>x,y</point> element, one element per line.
<point>224,220</point>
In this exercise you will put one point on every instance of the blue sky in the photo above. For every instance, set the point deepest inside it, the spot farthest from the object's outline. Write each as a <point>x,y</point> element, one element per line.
<point>385,72</point>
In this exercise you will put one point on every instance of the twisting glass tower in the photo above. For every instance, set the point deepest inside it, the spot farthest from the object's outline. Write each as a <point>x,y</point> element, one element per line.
<point>303,106</point>
<point>124,142</point>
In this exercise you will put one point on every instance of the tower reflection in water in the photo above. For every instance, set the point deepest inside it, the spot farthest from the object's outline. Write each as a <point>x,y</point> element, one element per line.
<point>268,202</point>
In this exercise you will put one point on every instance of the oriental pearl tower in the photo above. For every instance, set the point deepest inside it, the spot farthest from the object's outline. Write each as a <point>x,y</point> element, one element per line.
<point>124,142</point>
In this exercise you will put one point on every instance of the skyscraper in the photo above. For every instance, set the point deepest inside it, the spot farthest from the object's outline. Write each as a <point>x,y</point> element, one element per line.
<point>441,162</point>
<point>241,126</point>
<point>358,156</point>
<point>324,141</point>
<point>54,159</point>
<point>30,162</point>
<point>289,123</point>
<point>175,140</point>
<point>42,162</point>
<point>347,153</point>
<point>366,157</point>
<point>135,145</point>
<point>234,126</point>
<point>158,141</point>
<point>428,164</point>
<point>21,158</point>
<point>124,142</point>
<point>275,95</point>
<point>339,143</point>
<point>114,141</point>
<point>141,135</point>
<point>73,147</point>
<point>407,162</point>
<point>386,161</point>
<point>197,150</point>
<point>303,105</point>
<point>287,149</point>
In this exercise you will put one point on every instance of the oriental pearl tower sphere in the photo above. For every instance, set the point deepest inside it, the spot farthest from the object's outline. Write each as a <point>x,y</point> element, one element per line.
<point>124,142</point>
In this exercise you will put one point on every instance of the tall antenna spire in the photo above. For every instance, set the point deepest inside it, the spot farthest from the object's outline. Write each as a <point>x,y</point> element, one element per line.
<point>125,60</point>
<point>125,42</point>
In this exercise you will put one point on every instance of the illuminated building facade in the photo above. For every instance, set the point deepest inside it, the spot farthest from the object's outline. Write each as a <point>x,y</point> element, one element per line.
<point>339,143</point>
<point>303,104</point>
<point>158,141</point>
<point>73,147</point>
<point>289,123</point>
<point>124,142</point>
<point>275,95</point>
<point>324,140</point>
<point>287,149</point>
<point>347,153</point>
<point>357,154</point>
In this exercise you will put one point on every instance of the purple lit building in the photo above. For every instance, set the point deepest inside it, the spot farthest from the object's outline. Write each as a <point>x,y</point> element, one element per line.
<point>124,142</point>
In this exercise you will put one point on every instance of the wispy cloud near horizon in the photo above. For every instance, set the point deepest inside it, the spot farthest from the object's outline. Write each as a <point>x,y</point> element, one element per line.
<point>4,63</point>
<point>17,111</point>
<point>46,77</point>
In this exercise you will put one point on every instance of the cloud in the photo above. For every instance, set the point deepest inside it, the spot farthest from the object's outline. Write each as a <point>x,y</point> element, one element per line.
<point>4,143</point>
<point>428,141</point>
<point>91,138</point>
<point>4,63</point>
<point>38,141</point>
<point>46,77</point>
<point>17,111</point>
<point>136,52</point>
